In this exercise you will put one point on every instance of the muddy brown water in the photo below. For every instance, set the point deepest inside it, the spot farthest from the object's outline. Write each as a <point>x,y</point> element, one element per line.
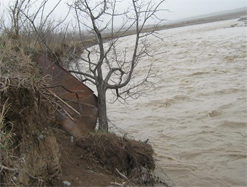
<point>195,117</point>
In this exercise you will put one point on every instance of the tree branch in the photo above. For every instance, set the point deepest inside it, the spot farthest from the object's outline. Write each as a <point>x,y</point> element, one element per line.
<point>82,73</point>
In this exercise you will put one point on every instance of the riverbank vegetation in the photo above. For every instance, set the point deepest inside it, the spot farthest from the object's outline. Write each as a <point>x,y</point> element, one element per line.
<point>34,150</point>
<point>32,144</point>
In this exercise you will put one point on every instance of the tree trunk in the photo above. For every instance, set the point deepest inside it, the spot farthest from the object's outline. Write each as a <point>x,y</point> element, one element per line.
<point>103,122</point>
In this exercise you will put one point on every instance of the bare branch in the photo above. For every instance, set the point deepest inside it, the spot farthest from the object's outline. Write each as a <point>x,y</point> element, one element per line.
<point>7,168</point>
<point>82,73</point>
<point>107,65</point>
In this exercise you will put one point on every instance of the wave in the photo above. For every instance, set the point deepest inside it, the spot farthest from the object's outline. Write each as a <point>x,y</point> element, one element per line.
<point>234,124</point>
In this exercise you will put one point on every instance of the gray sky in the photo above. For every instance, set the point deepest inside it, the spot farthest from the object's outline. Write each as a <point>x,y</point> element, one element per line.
<point>188,8</point>
<point>179,9</point>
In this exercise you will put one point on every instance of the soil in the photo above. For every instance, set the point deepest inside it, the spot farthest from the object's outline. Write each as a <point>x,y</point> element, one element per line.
<point>77,167</point>
<point>44,154</point>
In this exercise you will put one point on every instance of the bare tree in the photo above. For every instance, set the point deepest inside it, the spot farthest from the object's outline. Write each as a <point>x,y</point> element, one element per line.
<point>36,27</point>
<point>17,19</point>
<point>106,66</point>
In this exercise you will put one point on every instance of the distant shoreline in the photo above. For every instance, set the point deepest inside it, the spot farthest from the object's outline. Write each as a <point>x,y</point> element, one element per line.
<point>214,17</point>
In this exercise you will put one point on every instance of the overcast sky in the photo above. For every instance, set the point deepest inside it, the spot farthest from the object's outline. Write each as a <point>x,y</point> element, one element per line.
<point>179,9</point>
<point>188,8</point>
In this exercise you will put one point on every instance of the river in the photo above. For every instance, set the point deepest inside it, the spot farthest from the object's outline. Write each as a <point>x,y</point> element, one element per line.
<point>195,116</point>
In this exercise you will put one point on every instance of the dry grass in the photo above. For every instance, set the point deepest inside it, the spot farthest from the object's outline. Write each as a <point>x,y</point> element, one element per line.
<point>23,100</point>
<point>57,45</point>
<point>113,152</point>
<point>6,139</point>
<point>22,93</point>
<point>16,67</point>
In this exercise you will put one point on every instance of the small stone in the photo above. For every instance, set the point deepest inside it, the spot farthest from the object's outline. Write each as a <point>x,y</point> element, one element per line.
<point>66,183</point>
<point>41,137</point>
<point>90,171</point>
<point>72,139</point>
<point>81,157</point>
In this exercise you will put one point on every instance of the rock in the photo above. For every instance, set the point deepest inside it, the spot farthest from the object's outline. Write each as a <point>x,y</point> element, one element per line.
<point>71,139</point>
<point>66,183</point>
<point>90,171</point>
<point>41,137</point>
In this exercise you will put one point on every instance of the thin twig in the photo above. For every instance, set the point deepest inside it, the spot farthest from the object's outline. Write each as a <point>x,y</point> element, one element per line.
<point>122,175</point>
<point>7,168</point>
<point>70,117</point>
<point>64,102</point>
<point>116,184</point>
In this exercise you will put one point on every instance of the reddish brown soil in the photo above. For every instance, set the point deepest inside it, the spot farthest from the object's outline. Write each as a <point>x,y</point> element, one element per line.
<point>78,168</point>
